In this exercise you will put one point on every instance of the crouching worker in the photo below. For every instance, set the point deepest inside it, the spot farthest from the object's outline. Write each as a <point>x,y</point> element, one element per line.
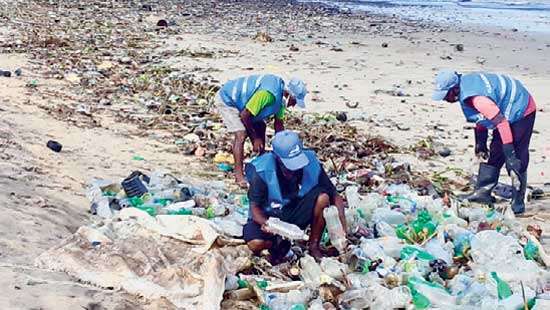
<point>288,183</point>
<point>500,102</point>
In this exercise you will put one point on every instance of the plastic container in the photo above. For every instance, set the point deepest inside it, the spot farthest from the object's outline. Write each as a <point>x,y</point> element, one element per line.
<point>133,186</point>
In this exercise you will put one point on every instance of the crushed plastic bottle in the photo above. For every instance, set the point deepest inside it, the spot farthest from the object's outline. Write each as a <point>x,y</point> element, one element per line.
<point>188,205</point>
<point>294,299</point>
<point>103,208</point>
<point>384,229</point>
<point>231,283</point>
<point>311,271</point>
<point>426,294</point>
<point>284,229</point>
<point>389,216</point>
<point>335,230</point>
<point>437,250</point>
<point>333,268</point>
<point>229,227</point>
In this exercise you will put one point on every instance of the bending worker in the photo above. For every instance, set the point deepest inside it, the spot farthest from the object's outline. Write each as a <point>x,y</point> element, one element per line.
<point>288,183</point>
<point>500,102</point>
<point>245,103</point>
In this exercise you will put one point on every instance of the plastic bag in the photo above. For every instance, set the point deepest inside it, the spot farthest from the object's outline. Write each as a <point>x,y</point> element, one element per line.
<point>492,251</point>
<point>419,230</point>
<point>426,294</point>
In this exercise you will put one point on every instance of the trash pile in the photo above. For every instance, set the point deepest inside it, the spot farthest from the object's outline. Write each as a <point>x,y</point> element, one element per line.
<point>179,241</point>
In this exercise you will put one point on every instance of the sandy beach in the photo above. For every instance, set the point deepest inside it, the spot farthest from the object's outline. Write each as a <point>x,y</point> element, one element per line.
<point>383,64</point>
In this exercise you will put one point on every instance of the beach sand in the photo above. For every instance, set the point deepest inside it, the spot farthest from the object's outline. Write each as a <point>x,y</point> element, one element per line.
<point>384,64</point>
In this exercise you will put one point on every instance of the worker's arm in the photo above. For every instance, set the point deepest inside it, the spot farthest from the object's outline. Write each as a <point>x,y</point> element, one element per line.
<point>246,118</point>
<point>490,110</point>
<point>258,214</point>
<point>335,199</point>
<point>278,125</point>
<point>257,195</point>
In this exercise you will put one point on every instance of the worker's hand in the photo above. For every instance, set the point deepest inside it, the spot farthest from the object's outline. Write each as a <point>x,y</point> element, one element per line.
<point>481,151</point>
<point>265,229</point>
<point>258,146</point>
<point>513,164</point>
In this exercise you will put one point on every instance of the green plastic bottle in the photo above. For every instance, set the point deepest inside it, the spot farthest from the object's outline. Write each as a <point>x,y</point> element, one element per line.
<point>503,289</point>
<point>180,212</point>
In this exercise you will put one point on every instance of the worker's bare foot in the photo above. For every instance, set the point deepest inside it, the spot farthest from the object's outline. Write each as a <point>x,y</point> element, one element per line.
<point>315,251</point>
<point>240,180</point>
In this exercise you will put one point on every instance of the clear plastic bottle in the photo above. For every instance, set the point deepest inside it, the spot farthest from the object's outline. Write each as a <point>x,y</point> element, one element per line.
<point>335,229</point>
<point>353,198</point>
<point>311,271</point>
<point>103,208</point>
<point>284,229</point>
<point>231,283</point>
<point>189,204</point>
<point>389,216</point>
<point>170,194</point>
<point>229,227</point>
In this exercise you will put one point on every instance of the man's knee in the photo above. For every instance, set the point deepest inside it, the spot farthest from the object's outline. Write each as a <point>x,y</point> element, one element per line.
<point>323,200</point>
<point>258,245</point>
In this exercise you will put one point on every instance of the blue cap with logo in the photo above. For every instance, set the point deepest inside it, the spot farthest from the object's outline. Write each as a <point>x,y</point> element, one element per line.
<point>297,88</point>
<point>288,147</point>
<point>444,81</point>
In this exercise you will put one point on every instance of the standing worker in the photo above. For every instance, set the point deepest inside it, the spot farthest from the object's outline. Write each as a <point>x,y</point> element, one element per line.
<point>494,101</point>
<point>288,183</point>
<point>245,103</point>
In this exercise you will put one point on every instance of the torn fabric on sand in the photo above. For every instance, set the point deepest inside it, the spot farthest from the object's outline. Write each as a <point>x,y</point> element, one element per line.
<point>176,258</point>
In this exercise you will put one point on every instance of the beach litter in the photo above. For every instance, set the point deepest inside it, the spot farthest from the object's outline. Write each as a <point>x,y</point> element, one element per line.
<point>179,240</point>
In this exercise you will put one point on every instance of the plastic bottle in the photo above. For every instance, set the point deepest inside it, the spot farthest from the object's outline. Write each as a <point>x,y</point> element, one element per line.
<point>189,204</point>
<point>353,198</point>
<point>436,249</point>
<point>333,268</point>
<point>336,232</point>
<point>103,209</point>
<point>170,194</point>
<point>293,300</point>
<point>389,216</point>
<point>284,229</point>
<point>384,229</point>
<point>311,271</point>
<point>231,283</point>
<point>229,227</point>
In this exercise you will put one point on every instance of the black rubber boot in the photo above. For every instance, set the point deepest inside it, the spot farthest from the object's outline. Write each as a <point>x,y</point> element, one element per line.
<point>487,179</point>
<point>518,197</point>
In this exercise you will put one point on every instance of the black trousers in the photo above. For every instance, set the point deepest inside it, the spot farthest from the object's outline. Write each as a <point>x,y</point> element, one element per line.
<point>521,132</point>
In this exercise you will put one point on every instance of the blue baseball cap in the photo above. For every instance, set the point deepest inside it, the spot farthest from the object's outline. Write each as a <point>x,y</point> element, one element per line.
<point>444,81</point>
<point>297,88</point>
<point>288,147</point>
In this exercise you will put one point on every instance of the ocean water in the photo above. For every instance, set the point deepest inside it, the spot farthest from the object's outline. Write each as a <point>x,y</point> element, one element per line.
<point>524,15</point>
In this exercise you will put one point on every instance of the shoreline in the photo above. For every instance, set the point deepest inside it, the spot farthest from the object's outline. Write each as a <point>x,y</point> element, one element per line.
<point>445,15</point>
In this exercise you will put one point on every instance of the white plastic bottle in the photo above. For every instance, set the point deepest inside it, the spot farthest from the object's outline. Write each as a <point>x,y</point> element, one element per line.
<point>284,229</point>
<point>336,232</point>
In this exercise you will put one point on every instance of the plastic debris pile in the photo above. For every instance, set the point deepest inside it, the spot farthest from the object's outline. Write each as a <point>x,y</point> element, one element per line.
<point>403,249</point>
